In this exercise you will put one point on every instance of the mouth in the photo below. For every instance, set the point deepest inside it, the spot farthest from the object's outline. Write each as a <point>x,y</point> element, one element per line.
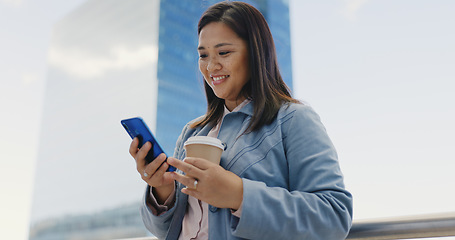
<point>218,79</point>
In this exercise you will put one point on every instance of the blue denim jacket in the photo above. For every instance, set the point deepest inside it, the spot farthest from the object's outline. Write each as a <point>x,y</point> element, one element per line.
<point>292,184</point>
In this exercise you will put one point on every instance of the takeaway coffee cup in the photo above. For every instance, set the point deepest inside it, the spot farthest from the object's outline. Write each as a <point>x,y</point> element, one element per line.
<point>209,148</point>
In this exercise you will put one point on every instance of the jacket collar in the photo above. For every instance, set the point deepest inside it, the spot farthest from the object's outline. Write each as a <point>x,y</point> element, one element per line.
<point>248,109</point>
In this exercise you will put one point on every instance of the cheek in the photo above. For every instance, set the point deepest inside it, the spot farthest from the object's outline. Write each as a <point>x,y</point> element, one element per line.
<point>242,71</point>
<point>203,68</point>
<point>200,65</point>
<point>203,71</point>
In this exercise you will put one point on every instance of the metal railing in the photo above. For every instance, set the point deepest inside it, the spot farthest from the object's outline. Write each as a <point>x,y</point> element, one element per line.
<point>141,238</point>
<point>422,226</point>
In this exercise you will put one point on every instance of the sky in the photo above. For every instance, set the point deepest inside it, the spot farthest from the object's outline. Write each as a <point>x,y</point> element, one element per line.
<point>380,73</point>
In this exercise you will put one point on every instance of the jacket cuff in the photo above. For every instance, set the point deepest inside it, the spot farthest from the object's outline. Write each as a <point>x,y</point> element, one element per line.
<point>156,208</point>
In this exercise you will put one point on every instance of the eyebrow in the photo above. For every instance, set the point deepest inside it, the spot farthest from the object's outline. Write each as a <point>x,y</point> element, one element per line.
<point>216,46</point>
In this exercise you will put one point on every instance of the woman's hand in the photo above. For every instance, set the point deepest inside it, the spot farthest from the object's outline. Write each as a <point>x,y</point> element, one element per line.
<point>154,173</point>
<point>215,185</point>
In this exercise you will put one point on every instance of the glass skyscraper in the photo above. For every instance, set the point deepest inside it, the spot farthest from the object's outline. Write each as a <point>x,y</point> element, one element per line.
<point>110,60</point>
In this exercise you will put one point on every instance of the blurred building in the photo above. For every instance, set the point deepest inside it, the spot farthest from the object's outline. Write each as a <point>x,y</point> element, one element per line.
<point>110,60</point>
<point>119,222</point>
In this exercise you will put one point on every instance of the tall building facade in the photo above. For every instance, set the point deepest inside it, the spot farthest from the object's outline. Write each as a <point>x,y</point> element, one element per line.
<point>110,60</point>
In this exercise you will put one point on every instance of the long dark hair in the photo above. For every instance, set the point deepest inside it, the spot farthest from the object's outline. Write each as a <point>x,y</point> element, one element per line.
<point>266,87</point>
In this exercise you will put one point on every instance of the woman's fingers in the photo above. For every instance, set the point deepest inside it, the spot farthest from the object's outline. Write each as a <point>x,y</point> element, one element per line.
<point>142,153</point>
<point>153,173</point>
<point>147,169</point>
<point>209,182</point>
<point>156,166</point>
<point>194,169</point>
<point>140,157</point>
<point>189,182</point>
<point>134,147</point>
<point>190,166</point>
<point>199,162</point>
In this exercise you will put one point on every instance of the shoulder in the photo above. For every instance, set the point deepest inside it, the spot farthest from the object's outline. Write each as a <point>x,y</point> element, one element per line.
<point>187,132</point>
<point>299,117</point>
<point>198,119</point>
<point>299,110</point>
<point>187,129</point>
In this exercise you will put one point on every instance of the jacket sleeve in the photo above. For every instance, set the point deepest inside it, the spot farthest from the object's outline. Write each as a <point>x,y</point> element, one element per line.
<point>315,205</point>
<point>160,225</point>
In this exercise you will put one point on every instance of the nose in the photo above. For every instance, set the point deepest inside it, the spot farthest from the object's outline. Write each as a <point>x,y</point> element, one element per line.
<point>213,64</point>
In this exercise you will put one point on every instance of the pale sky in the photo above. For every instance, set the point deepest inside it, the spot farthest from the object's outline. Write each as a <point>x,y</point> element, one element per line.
<point>380,73</point>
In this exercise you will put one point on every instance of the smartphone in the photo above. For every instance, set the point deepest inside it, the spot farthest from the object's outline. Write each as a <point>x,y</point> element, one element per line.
<point>136,127</point>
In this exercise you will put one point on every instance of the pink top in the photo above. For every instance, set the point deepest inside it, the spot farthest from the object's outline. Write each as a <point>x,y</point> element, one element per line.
<point>195,223</point>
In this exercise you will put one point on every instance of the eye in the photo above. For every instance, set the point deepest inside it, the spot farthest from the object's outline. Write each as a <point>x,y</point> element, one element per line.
<point>224,53</point>
<point>202,55</point>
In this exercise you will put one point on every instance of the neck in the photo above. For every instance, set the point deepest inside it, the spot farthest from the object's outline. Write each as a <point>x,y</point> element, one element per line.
<point>231,105</point>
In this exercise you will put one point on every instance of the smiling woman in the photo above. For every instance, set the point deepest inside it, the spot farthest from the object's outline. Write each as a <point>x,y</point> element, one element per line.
<point>279,165</point>
<point>223,61</point>
<point>268,88</point>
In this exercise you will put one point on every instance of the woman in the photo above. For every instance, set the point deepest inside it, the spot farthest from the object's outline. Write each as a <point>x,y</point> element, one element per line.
<point>279,176</point>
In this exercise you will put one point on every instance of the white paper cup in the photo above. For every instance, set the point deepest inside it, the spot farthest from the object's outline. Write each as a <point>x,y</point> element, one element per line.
<point>208,148</point>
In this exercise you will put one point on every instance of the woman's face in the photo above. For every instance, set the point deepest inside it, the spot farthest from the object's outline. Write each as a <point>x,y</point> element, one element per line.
<point>223,61</point>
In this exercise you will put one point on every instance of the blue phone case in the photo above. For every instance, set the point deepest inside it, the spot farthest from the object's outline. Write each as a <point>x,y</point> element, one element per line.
<point>136,127</point>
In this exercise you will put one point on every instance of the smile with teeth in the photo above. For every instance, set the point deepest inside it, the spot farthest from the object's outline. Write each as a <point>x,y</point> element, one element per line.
<point>219,79</point>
